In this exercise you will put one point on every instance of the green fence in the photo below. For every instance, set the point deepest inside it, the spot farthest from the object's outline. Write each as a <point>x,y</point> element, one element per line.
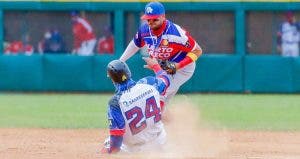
<point>60,73</point>
<point>214,73</point>
<point>217,73</point>
<point>272,74</point>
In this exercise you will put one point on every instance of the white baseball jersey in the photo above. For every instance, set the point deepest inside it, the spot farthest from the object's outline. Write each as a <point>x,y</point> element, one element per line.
<point>134,113</point>
<point>290,38</point>
<point>172,43</point>
<point>141,111</point>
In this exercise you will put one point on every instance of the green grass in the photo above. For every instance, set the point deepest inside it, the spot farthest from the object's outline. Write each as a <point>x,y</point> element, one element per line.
<point>235,111</point>
<point>53,110</point>
<point>264,112</point>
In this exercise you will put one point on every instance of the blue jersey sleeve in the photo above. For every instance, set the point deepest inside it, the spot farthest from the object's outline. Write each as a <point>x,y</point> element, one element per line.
<point>160,82</point>
<point>138,41</point>
<point>115,117</point>
<point>138,38</point>
<point>116,124</point>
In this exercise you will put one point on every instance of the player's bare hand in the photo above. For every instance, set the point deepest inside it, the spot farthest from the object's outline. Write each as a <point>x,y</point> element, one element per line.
<point>104,150</point>
<point>150,62</point>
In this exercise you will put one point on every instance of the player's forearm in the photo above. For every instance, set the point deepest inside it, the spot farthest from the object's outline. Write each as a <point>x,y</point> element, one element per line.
<point>190,57</point>
<point>161,75</point>
<point>162,80</point>
<point>129,51</point>
<point>156,68</point>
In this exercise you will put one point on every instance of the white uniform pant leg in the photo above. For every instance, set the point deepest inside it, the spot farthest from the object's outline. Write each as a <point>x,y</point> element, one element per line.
<point>156,145</point>
<point>290,50</point>
<point>87,48</point>
<point>177,80</point>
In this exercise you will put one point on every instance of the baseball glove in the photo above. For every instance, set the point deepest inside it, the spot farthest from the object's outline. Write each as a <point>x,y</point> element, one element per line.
<point>168,66</point>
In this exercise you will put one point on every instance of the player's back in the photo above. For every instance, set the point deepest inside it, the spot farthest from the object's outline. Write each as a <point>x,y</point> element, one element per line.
<point>141,110</point>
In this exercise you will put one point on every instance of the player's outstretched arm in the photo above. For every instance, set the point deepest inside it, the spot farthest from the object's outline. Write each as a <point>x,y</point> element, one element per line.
<point>152,64</point>
<point>129,51</point>
<point>116,127</point>
<point>162,81</point>
<point>112,144</point>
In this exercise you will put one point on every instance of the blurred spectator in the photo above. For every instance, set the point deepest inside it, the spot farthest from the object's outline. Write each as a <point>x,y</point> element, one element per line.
<point>106,42</point>
<point>288,36</point>
<point>84,37</point>
<point>52,43</point>
<point>20,47</point>
<point>5,45</point>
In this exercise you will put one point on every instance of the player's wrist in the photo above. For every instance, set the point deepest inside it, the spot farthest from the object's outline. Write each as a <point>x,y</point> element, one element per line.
<point>156,68</point>
<point>177,66</point>
<point>187,60</point>
<point>190,57</point>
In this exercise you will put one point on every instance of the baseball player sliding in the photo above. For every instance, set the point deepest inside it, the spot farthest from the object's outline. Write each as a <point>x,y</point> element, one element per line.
<point>134,112</point>
<point>175,48</point>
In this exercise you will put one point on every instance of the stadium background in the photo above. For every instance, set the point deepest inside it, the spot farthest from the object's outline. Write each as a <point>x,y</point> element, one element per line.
<point>238,38</point>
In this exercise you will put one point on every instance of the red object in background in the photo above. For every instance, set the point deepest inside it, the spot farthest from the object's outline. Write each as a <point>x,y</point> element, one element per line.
<point>28,49</point>
<point>106,45</point>
<point>14,47</point>
<point>82,31</point>
<point>17,47</point>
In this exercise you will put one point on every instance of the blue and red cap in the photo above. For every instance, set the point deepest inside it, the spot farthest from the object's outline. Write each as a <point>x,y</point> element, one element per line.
<point>153,10</point>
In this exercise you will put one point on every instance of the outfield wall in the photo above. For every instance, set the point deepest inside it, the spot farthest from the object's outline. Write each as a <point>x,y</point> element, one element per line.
<point>214,73</point>
<point>234,72</point>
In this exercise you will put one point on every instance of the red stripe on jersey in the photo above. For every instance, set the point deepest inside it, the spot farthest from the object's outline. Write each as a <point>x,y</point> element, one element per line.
<point>188,47</point>
<point>117,132</point>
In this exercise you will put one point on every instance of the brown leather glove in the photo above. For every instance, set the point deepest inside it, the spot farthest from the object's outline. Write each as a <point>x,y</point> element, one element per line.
<point>168,66</point>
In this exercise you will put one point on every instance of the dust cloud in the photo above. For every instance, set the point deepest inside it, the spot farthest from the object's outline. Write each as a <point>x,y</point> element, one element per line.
<point>187,136</point>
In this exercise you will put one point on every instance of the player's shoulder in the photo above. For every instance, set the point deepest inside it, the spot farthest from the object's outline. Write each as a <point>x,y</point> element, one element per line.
<point>144,27</point>
<point>287,25</point>
<point>147,80</point>
<point>172,24</point>
<point>174,29</point>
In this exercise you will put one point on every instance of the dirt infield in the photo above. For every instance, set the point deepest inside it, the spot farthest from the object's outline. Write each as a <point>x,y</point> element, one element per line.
<point>186,139</point>
<point>85,144</point>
